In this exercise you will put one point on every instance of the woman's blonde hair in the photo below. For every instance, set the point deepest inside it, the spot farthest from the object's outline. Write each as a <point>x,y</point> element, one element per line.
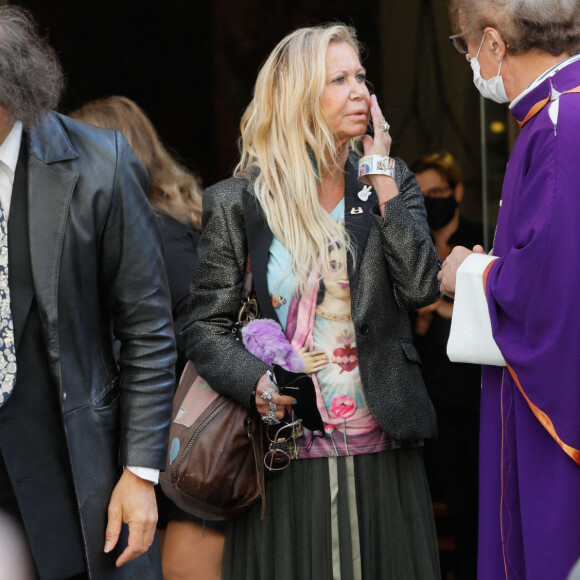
<point>285,134</point>
<point>172,189</point>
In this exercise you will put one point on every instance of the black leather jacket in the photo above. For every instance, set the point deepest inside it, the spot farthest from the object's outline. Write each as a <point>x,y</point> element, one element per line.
<point>97,265</point>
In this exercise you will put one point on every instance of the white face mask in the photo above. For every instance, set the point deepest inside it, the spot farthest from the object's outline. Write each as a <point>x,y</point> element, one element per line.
<point>490,89</point>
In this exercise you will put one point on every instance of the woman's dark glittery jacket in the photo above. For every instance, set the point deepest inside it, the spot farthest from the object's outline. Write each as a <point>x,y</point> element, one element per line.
<point>395,271</point>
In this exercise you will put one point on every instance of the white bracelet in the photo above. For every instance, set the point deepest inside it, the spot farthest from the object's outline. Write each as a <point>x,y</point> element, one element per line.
<point>375,165</point>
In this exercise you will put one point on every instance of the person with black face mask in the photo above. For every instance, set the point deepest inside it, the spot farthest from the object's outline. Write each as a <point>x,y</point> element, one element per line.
<point>451,460</point>
<point>441,210</point>
<point>439,177</point>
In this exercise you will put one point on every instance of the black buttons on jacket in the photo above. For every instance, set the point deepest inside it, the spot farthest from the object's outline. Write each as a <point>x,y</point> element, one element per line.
<point>364,328</point>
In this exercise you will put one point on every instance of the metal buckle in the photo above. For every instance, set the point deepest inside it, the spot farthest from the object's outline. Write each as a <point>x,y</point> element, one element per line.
<point>248,311</point>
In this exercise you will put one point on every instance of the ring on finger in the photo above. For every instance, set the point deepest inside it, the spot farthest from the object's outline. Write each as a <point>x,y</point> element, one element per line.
<point>273,407</point>
<point>267,394</point>
<point>270,418</point>
<point>385,126</point>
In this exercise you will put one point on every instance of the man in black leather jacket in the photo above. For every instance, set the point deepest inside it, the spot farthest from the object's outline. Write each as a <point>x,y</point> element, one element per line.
<point>82,434</point>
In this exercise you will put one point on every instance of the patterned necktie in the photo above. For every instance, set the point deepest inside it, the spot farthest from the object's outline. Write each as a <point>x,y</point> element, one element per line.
<point>7,351</point>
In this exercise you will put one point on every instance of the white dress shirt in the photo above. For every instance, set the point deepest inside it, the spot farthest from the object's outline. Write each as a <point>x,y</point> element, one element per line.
<point>9,151</point>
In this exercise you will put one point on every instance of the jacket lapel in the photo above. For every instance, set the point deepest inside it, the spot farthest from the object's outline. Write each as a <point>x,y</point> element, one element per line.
<point>21,289</point>
<point>50,189</point>
<point>358,217</point>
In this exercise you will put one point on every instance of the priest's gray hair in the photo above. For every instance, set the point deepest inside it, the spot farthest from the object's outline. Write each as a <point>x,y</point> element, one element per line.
<point>552,26</point>
<point>31,79</point>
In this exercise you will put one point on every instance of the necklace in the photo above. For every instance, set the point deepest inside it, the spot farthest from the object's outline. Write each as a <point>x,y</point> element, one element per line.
<point>335,317</point>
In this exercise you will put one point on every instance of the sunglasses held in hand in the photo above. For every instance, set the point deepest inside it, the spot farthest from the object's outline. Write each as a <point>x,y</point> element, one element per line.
<point>282,447</point>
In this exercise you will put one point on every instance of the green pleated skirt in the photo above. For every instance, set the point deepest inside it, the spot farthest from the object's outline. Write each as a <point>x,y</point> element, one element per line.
<point>358,517</point>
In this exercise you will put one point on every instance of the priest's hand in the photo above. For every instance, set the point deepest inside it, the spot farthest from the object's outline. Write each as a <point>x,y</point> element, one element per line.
<point>133,503</point>
<point>449,269</point>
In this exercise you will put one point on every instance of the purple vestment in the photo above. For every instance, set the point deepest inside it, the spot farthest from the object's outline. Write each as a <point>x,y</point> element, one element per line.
<point>530,433</point>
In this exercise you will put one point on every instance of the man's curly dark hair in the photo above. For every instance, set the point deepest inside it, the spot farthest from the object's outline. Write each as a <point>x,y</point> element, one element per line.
<point>31,78</point>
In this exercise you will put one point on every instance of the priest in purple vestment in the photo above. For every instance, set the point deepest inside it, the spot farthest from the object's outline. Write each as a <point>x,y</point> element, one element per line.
<point>526,52</point>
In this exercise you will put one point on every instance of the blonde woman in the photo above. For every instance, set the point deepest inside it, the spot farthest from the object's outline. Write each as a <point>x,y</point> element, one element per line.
<point>354,503</point>
<point>190,548</point>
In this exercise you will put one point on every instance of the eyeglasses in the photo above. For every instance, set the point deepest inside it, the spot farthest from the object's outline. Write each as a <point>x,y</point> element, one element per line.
<point>437,191</point>
<point>459,43</point>
<point>282,447</point>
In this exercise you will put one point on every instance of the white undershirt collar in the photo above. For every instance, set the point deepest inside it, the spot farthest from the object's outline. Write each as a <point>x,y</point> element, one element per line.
<point>9,151</point>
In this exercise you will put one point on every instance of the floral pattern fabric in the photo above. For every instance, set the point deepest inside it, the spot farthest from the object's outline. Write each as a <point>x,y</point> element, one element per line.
<point>7,350</point>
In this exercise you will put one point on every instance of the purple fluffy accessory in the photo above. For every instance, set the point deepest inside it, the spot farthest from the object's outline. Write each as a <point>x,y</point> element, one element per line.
<point>265,339</point>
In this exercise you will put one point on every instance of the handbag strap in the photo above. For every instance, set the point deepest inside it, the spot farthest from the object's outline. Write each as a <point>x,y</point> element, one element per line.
<point>248,311</point>
<point>249,307</point>
<point>247,286</point>
<point>248,281</point>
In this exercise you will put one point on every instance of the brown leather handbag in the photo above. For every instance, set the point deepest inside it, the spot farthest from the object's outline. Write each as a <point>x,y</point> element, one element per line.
<point>214,466</point>
<point>215,461</point>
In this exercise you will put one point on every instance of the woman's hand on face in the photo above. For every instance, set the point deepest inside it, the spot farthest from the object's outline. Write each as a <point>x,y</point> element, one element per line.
<point>263,405</point>
<point>380,144</point>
